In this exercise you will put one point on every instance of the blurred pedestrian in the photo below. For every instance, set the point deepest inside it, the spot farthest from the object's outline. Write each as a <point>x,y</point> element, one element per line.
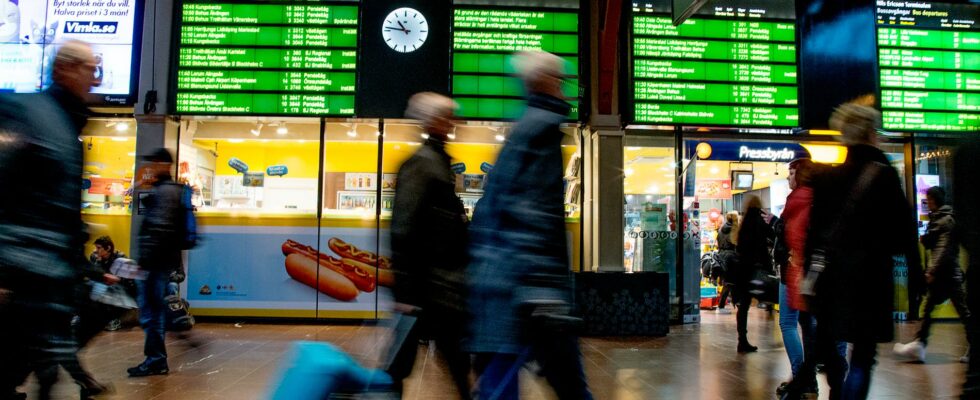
<point>944,278</point>
<point>794,318</point>
<point>428,238</point>
<point>520,283</point>
<point>754,237</point>
<point>160,246</point>
<point>727,238</point>
<point>42,239</point>
<point>850,272</point>
<point>966,196</point>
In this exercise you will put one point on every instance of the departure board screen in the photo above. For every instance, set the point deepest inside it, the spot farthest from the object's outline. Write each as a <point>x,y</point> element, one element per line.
<point>728,65</point>
<point>484,40</point>
<point>929,65</point>
<point>280,58</point>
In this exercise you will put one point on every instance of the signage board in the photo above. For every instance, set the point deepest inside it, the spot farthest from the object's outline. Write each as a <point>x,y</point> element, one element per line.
<point>484,40</point>
<point>728,65</point>
<point>31,31</point>
<point>929,65</point>
<point>280,58</point>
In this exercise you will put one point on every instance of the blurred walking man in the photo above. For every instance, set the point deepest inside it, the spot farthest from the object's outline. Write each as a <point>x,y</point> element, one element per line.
<point>428,236</point>
<point>519,276</point>
<point>849,280</point>
<point>42,238</point>
<point>966,196</point>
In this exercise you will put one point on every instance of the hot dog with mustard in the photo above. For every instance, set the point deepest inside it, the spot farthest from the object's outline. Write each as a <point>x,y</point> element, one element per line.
<point>307,271</point>
<point>361,275</point>
<point>347,250</point>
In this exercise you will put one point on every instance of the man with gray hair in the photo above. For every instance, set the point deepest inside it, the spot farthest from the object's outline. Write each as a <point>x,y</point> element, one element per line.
<point>849,278</point>
<point>520,279</point>
<point>42,239</point>
<point>428,239</point>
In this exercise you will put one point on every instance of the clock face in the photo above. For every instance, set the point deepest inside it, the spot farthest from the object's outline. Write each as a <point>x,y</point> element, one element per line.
<point>405,30</point>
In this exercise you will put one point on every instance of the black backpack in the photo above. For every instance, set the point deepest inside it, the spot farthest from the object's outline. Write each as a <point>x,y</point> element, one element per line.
<point>179,316</point>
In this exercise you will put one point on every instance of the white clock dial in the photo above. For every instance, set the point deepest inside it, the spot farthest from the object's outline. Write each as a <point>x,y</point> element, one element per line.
<point>405,30</point>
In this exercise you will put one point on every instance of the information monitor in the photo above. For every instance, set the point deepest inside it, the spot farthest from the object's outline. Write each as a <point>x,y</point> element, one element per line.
<point>240,57</point>
<point>929,65</point>
<point>731,64</point>
<point>484,41</point>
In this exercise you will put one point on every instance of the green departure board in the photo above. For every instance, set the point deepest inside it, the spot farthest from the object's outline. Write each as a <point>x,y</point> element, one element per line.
<point>724,66</point>
<point>485,39</point>
<point>279,58</point>
<point>929,66</point>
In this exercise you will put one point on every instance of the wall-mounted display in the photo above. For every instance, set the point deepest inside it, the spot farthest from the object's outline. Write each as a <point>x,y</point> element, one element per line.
<point>727,65</point>
<point>31,31</point>
<point>287,58</point>
<point>929,66</point>
<point>484,39</point>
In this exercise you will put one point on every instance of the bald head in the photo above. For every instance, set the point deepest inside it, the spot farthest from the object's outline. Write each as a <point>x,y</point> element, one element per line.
<point>542,72</point>
<point>74,67</point>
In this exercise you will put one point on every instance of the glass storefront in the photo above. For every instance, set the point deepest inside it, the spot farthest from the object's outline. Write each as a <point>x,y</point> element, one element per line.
<point>285,207</point>
<point>109,154</point>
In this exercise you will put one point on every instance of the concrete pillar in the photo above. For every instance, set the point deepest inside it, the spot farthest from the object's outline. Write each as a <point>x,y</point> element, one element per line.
<point>607,185</point>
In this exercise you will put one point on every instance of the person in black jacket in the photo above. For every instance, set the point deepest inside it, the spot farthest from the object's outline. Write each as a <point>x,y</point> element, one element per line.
<point>727,237</point>
<point>754,237</point>
<point>159,255</point>
<point>944,278</point>
<point>849,279</point>
<point>41,230</point>
<point>428,238</point>
<point>966,196</point>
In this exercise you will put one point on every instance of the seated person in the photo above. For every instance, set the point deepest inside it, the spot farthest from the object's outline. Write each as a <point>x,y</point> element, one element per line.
<point>102,258</point>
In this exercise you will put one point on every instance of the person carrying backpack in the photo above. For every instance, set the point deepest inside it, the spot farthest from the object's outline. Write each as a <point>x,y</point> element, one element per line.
<point>167,229</point>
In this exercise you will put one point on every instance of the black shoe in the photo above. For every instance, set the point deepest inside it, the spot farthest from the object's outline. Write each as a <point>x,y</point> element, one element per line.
<point>745,347</point>
<point>142,370</point>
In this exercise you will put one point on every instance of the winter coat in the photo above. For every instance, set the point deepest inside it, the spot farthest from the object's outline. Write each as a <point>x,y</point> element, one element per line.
<point>944,259</point>
<point>796,219</point>
<point>967,195</point>
<point>161,232</point>
<point>754,236</point>
<point>42,234</point>
<point>428,232</point>
<point>855,293</point>
<point>519,246</point>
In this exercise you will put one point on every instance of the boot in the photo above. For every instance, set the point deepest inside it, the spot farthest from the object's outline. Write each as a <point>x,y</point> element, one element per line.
<point>745,347</point>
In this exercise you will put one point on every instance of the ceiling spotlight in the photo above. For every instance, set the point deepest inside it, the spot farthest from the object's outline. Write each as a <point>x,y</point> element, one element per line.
<point>451,136</point>
<point>120,139</point>
<point>258,130</point>
<point>352,133</point>
<point>714,170</point>
<point>500,138</point>
<point>122,127</point>
<point>628,171</point>
<point>653,189</point>
<point>377,133</point>
<point>282,129</point>
<point>425,136</point>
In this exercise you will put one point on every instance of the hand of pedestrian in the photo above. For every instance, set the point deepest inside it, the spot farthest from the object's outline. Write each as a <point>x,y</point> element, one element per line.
<point>766,215</point>
<point>110,279</point>
<point>929,278</point>
<point>5,296</point>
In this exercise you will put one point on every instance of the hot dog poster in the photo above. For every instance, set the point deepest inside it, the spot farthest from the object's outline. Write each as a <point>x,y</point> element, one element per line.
<point>281,268</point>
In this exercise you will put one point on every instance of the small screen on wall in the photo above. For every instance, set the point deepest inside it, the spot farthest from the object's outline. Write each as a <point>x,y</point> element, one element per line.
<point>730,64</point>
<point>281,58</point>
<point>484,39</point>
<point>929,66</point>
<point>31,31</point>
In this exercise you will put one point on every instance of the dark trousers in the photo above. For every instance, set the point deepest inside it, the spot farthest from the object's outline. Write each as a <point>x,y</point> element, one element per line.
<point>448,336</point>
<point>153,313</point>
<point>826,351</point>
<point>726,290</point>
<point>561,365</point>
<point>858,379</point>
<point>971,387</point>
<point>743,301</point>
<point>938,294</point>
<point>34,338</point>
<point>92,319</point>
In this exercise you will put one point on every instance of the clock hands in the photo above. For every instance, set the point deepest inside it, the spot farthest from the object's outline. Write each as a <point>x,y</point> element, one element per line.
<point>403,27</point>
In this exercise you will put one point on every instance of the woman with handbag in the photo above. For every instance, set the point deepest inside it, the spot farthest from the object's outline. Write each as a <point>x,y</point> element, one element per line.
<point>754,258</point>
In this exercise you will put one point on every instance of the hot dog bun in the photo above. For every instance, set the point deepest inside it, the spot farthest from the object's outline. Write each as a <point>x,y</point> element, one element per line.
<point>307,271</point>
<point>347,250</point>
<point>362,278</point>
<point>386,277</point>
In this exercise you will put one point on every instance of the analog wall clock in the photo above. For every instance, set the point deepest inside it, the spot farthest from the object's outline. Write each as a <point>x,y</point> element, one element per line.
<point>405,30</point>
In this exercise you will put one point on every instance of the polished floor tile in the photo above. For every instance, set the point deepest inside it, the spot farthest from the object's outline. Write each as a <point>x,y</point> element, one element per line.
<point>240,360</point>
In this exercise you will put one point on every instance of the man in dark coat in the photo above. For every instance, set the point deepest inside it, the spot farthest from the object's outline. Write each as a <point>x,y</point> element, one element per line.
<point>428,238</point>
<point>519,247</point>
<point>850,273</point>
<point>944,278</point>
<point>160,245</point>
<point>966,195</point>
<point>42,234</point>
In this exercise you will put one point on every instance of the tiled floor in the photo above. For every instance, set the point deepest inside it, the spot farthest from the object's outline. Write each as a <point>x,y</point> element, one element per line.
<point>238,361</point>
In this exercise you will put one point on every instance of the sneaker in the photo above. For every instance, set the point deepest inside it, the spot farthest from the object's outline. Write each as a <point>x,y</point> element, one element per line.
<point>142,370</point>
<point>915,351</point>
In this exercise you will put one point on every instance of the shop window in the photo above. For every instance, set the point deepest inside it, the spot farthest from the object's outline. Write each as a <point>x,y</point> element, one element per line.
<point>109,154</point>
